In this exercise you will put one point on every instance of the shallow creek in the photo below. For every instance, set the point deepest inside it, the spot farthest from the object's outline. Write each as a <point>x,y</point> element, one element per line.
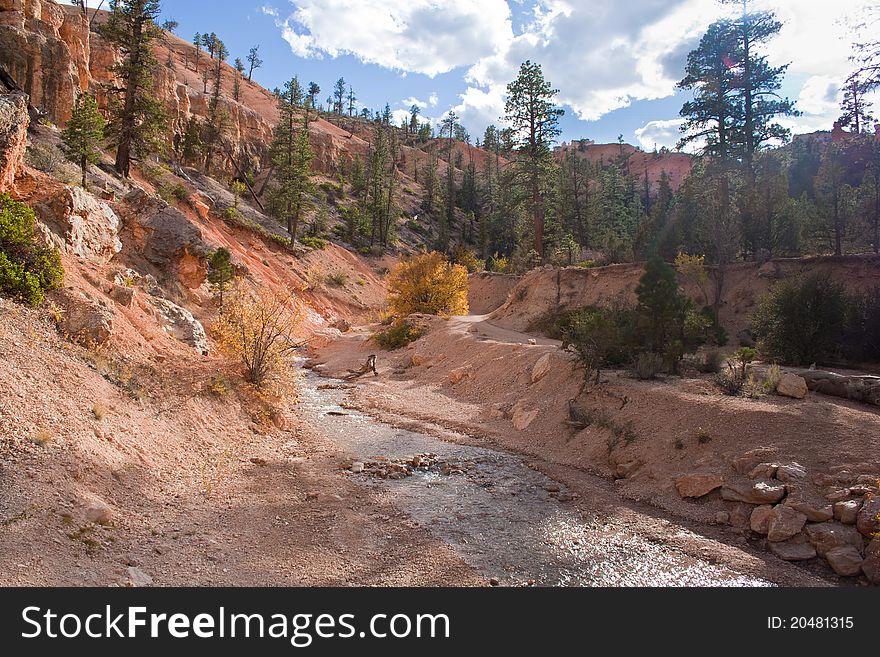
<point>503,518</point>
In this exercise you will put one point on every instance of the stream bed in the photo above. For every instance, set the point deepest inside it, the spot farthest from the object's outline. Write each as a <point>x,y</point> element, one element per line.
<point>503,518</point>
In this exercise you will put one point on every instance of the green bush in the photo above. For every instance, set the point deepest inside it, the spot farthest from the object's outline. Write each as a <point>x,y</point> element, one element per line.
<point>399,335</point>
<point>601,336</point>
<point>802,321</point>
<point>27,269</point>
<point>171,192</point>
<point>315,243</point>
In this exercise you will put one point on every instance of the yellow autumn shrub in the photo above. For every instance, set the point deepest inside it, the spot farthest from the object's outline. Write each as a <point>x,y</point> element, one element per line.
<point>428,284</point>
<point>261,330</point>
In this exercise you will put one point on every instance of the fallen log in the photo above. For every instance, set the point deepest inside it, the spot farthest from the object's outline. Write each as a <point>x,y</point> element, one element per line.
<point>862,388</point>
<point>369,366</point>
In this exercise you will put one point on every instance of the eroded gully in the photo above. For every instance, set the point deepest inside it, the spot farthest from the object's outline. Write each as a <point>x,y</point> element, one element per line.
<point>503,518</point>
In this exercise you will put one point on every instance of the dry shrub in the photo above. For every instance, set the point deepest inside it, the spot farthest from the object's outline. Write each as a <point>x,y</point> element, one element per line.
<point>428,284</point>
<point>260,329</point>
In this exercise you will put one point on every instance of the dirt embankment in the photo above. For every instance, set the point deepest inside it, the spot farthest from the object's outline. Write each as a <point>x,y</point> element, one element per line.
<point>545,292</point>
<point>116,470</point>
<point>488,291</point>
<point>469,376</point>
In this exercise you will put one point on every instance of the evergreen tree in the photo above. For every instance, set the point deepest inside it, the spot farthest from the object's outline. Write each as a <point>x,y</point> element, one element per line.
<point>661,304</point>
<point>254,61</point>
<point>236,81</point>
<point>220,271</point>
<point>834,195</point>
<point>84,133</point>
<point>292,155</point>
<point>351,101</point>
<point>314,90</point>
<point>339,96</point>
<point>197,42</point>
<point>534,119</point>
<point>855,107</point>
<point>575,195</point>
<point>217,115</point>
<point>191,145</point>
<point>138,119</point>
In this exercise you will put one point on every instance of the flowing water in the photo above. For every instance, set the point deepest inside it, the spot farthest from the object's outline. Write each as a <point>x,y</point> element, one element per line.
<point>503,518</point>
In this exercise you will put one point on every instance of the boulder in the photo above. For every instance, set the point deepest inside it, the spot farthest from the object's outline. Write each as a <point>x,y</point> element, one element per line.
<point>14,121</point>
<point>845,561</point>
<point>847,511</point>
<point>698,485</point>
<point>522,418</point>
<point>871,564</point>
<point>85,226</point>
<point>84,319</point>
<point>815,511</point>
<point>456,375</point>
<point>792,385</point>
<point>784,523</point>
<point>760,519</point>
<point>418,360</point>
<point>99,513</point>
<point>182,325</point>
<point>764,491</point>
<point>745,463</point>
<point>797,548</point>
<point>826,536</point>
<point>123,295</point>
<point>764,471</point>
<point>791,472</point>
<point>868,521</point>
<point>541,368</point>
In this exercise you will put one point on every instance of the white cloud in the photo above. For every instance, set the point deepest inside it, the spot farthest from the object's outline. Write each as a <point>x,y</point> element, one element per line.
<point>412,36</point>
<point>421,104</point>
<point>603,55</point>
<point>659,134</point>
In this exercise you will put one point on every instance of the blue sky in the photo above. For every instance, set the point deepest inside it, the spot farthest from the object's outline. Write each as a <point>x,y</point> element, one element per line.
<point>615,63</point>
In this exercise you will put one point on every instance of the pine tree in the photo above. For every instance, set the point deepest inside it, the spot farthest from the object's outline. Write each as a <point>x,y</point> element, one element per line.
<point>236,82</point>
<point>138,120</point>
<point>351,101</point>
<point>339,95</point>
<point>835,195</point>
<point>292,155</point>
<point>314,90</point>
<point>191,146</point>
<point>220,270</point>
<point>254,61</point>
<point>661,304</point>
<point>84,133</point>
<point>197,42</point>
<point>855,107</point>
<point>534,120</point>
<point>217,115</point>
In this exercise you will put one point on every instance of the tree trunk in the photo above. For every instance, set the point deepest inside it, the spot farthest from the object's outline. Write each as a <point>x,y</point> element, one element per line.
<point>123,151</point>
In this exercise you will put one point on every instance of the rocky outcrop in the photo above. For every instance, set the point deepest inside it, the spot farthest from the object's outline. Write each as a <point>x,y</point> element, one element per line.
<point>161,241</point>
<point>84,226</point>
<point>180,323</point>
<point>44,47</point>
<point>83,318</point>
<point>14,122</point>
